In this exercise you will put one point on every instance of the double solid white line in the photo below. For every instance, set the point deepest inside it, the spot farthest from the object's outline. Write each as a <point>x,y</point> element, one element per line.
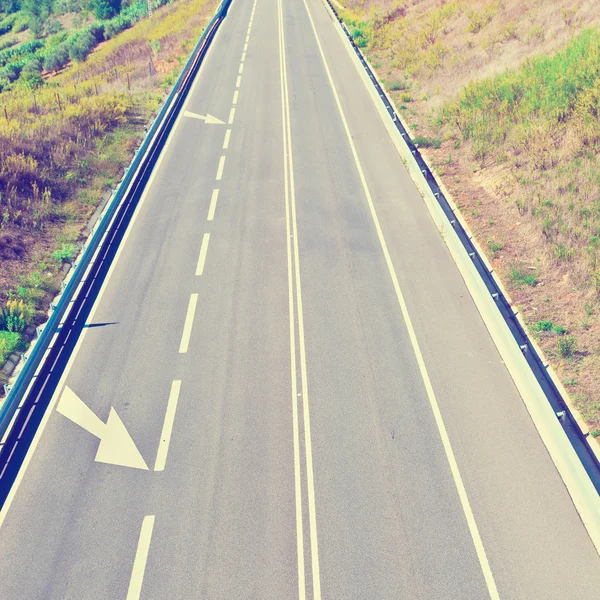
<point>295,293</point>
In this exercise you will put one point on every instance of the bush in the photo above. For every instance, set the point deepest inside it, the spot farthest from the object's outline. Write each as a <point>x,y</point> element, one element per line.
<point>56,58</point>
<point>116,25</point>
<point>105,9</point>
<point>81,45</point>
<point>33,66</point>
<point>7,23</point>
<point>31,80</point>
<point>21,24</point>
<point>53,26</point>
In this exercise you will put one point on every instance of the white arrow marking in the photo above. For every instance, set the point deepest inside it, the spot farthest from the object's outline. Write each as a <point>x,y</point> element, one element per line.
<point>116,446</point>
<point>208,119</point>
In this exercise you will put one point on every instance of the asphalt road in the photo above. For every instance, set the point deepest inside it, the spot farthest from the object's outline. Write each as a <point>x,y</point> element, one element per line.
<point>303,438</point>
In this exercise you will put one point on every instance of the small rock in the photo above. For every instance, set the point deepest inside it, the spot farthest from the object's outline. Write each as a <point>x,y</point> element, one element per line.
<point>9,367</point>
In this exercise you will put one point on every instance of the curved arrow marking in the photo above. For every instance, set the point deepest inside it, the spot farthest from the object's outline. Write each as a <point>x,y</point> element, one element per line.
<point>208,119</point>
<point>116,446</point>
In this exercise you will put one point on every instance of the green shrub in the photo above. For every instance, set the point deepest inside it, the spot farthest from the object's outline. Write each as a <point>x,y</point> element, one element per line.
<point>7,23</point>
<point>56,58</point>
<point>66,253</point>
<point>543,326</point>
<point>21,24</point>
<point>9,342</point>
<point>566,346</point>
<point>116,25</point>
<point>81,45</point>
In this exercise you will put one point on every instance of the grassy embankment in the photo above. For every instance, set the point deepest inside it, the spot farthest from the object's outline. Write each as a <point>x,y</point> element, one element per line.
<point>504,99</point>
<point>65,144</point>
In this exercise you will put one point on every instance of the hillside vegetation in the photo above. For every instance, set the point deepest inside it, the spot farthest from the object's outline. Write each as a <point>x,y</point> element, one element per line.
<point>504,99</point>
<point>66,137</point>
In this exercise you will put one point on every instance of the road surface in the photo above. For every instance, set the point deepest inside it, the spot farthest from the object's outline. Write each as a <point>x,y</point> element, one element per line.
<point>297,360</point>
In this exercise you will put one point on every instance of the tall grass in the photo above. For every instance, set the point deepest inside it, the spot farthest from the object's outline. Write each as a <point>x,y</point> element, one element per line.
<point>542,119</point>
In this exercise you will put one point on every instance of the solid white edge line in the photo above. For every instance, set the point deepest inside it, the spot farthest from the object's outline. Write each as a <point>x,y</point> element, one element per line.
<point>213,205</point>
<point>167,430</point>
<point>293,366</point>
<point>187,327</point>
<point>202,257</point>
<point>50,408</point>
<point>141,557</point>
<point>576,480</point>
<point>220,168</point>
<point>466,505</point>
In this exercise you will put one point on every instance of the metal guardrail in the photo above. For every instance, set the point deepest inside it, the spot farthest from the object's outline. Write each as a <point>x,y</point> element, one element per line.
<point>539,368</point>
<point>128,185</point>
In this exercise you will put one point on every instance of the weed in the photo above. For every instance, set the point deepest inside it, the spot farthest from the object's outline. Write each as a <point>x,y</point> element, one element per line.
<point>566,346</point>
<point>595,433</point>
<point>9,342</point>
<point>543,326</point>
<point>520,277</point>
<point>426,142</point>
<point>494,245</point>
<point>559,329</point>
<point>15,315</point>
<point>66,253</point>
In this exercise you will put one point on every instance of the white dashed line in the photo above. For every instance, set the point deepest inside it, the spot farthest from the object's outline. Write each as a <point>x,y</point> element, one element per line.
<point>220,169</point>
<point>235,97</point>
<point>226,140</point>
<point>239,81</point>
<point>213,205</point>
<point>202,257</point>
<point>189,321</point>
<point>141,557</point>
<point>231,115</point>
<point>167,430</point>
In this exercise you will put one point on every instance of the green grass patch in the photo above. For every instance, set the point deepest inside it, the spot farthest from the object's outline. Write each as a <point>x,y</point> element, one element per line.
<point>521,277</point>
<point>426,142</point>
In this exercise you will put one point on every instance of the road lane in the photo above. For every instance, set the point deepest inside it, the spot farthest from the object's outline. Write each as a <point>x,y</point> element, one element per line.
<point>525,515</point>
<point>83,550</point>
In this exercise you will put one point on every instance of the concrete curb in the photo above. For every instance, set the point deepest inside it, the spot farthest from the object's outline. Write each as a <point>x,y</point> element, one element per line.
<point>574,476</point>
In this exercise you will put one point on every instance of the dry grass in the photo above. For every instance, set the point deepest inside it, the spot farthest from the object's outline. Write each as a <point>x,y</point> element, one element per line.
<point>65,146</point>
<point>522,161</point>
